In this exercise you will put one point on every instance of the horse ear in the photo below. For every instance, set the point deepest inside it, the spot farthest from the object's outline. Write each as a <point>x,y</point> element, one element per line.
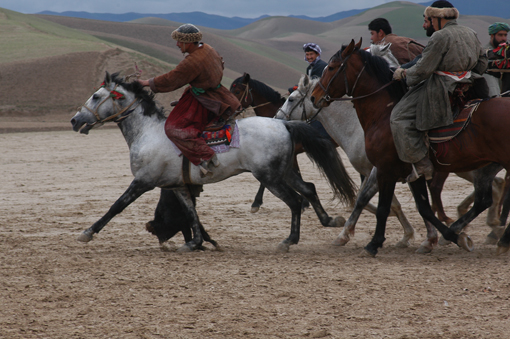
<point>246,78</point>
<point>386,47</point>
<point>107,78</point>
<point>349,49</point>
<point>306,80</point>
<point>358,45</point>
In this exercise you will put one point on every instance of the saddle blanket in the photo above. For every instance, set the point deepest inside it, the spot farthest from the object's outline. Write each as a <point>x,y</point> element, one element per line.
<point>446,133</point>
<point>219,140</point>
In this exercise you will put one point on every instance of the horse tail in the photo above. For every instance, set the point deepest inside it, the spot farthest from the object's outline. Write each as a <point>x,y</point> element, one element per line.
<point>322,153</point>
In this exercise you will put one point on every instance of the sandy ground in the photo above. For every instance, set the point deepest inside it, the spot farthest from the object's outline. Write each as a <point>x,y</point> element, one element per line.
<point>122,285</point>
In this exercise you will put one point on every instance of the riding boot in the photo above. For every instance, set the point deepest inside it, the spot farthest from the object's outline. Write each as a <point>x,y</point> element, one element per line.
<point>423,167</point>
<point>207,165</point>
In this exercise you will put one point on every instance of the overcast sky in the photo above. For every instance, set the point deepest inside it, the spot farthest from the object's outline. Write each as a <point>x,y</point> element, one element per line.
<point>228,8</point>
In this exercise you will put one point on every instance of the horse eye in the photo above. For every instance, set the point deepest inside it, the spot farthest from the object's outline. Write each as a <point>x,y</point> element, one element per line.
<point>331,68</point>
<point>96,97</point>
<point>291,99</point>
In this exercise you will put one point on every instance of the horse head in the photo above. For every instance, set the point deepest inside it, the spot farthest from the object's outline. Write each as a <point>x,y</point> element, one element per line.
<point>241,89</point>
<point>114,101</point>
<point>298,105</point>
<point>384,52</point>
<point>336,77</point>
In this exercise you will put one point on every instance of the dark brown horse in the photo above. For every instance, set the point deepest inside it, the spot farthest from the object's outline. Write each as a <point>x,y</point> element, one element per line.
<point>481,146</point>
<point>265,102</point>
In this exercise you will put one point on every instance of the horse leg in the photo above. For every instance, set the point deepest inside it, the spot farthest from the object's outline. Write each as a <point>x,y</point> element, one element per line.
<point>436,187</point>
<point>257,202</point>
<point>186,200</point>
<point>386,191</point>
<point>504,242</point>
<point>292,199</point>
<point>483,179</point>
<point>135,190</point>
<point>505,202</point>
<point>308,191</point>
<point>367,191</point>
<point>432,239</point>
<point>492,213</point>
<point>396,208</point>
<point>299,149</point>
<point>419,190</point>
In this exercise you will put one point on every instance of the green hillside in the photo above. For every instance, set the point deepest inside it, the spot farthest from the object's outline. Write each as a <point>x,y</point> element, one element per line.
<point>28,37</point>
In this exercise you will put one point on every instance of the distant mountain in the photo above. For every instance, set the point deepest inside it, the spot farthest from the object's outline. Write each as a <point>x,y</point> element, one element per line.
<point>331,18</point>
<point>203,19</point>
<point>496,8</point>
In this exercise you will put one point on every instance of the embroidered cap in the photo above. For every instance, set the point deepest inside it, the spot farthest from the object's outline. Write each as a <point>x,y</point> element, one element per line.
<point>187,33</point>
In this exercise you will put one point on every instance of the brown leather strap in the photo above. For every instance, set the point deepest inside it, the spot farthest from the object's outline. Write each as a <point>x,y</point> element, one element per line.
<point>186,170</point>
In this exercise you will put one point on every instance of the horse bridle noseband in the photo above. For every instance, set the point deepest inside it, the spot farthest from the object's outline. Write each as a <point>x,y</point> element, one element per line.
<point>246,92</point>
<point>303,113</point>
<point>113,95</point>
<point>342,67</point>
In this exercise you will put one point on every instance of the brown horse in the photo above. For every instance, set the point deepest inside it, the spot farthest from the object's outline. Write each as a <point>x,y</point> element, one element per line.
<point>481,146</point>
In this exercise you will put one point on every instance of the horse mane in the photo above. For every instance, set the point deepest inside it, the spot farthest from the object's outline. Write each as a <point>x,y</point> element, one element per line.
<point>149,105</point>
<point>378,67</point>
<point>263,89</point>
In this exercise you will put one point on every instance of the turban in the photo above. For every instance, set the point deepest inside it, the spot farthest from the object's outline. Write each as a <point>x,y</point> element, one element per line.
<point>498,26</point>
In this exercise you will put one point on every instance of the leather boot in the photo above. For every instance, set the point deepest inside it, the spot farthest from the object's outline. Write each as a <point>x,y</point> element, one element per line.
<point>423,167</point>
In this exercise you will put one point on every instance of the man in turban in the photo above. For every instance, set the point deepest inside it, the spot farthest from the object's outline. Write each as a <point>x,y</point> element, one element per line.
<point>497,49</point>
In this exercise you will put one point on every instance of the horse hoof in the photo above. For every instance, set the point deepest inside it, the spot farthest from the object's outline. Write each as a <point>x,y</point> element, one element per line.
<point>84,237</point>
<point>403,244</point>
<point>283,247</point>
<point>366,254</point>
<point>502,249</point>
<point>337,222</point>
<point>491,239</point>
<point>340,241</point>
<point>465,242</point>
<point>443,242</point>
<point>184,249</point>
<point>424,249</point>
<point>254,209</point>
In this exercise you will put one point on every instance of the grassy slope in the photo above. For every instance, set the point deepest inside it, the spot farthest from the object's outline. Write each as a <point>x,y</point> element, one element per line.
<point>27,37</point>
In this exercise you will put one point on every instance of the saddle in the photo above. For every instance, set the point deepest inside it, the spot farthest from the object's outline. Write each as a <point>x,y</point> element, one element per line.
<point>462,107</point>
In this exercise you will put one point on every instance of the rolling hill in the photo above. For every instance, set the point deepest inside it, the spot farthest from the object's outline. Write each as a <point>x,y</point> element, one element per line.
<point>50,64</point>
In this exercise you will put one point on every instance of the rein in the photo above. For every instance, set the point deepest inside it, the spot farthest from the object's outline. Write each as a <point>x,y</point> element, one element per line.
<point>247,91</point>
<point>113,95</point>
<point>342,67</point>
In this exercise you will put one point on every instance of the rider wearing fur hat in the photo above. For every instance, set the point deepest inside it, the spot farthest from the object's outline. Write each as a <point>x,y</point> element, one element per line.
<point>453,55</point>
<point>204,101</point>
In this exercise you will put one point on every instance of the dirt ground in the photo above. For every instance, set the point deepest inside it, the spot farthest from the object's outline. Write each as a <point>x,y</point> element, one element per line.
<point>123,285</point>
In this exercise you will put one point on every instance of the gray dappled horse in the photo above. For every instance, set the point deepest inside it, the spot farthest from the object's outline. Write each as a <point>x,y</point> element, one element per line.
<point>265,149</point>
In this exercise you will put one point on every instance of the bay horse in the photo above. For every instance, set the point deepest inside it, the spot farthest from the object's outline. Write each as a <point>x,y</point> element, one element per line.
<point>343,126</point>
<point>482,146</point>
<point>265,148</point>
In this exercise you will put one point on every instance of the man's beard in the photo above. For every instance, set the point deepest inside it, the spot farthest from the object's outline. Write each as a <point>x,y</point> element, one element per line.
<point>430,30</point>
<point>496,44</point>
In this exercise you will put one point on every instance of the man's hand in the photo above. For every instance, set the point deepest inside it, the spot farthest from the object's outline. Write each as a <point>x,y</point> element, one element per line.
<point>400,73</point>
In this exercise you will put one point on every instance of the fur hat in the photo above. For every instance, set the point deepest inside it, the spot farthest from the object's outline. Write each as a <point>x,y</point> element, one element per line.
<point>442,9</point>
<point>187,33</point>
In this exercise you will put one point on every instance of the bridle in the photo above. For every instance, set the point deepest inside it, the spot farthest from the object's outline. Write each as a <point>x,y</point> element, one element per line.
<point>303,112</point>
<point>343,67</point>
<point>118,116</point>
<point>246,92</point>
